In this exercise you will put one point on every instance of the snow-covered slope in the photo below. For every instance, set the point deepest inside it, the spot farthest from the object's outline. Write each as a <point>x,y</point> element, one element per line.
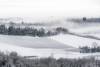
<point>74,41</point>
<point>32,42</point>
<point>33,46</point>
<point>87,30</point>
<point>23,51</point>
<point>23,46</point>
<point>56,53</point>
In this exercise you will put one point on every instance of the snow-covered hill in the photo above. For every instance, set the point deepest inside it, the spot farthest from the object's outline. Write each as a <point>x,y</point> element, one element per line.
<point>63,45</point>
<point>74,41</point>
<point>34,46</point>
<point>32,42</point>
<point>47,46</point>
<point>91,29</point>
<point>56,53</point>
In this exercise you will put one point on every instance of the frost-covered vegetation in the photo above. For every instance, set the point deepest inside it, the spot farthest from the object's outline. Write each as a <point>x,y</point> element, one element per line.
<point>87,49</point>
<point>14,60</point>
<point>31,31</point>
<point>92,49</point>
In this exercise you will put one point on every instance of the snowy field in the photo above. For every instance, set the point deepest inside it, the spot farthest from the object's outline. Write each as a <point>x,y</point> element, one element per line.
<point>32,42</point>
<point>74,41</point>
<point>34,46</point>
<point>60,46</point>
<point>56,53</point>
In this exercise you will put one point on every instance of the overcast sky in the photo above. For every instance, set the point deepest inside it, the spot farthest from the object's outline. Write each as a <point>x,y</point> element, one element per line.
<point>49,8</point>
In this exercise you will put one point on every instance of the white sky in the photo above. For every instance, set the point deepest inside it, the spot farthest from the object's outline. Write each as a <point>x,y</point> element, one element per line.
<point>48,8</point>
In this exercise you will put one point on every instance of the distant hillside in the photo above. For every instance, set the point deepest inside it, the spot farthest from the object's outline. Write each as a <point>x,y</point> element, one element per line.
<point>84,19</point>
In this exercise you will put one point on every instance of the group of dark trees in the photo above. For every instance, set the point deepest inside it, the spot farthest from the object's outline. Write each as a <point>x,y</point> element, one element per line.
<point>31,31</point>
<point>14,60</point>
<point>87,49</point>
<point>92,49</point>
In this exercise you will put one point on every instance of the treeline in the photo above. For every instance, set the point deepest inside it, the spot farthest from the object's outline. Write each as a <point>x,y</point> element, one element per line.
<point>87,49</point>
<point>85,20</point>
<point>14,60</point>
<point>31,31</point>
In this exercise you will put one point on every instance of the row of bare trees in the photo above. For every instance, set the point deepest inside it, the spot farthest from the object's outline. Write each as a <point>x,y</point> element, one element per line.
<point>14,60</point>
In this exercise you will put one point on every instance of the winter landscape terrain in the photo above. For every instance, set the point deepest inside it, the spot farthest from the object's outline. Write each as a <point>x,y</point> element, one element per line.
<point>61,45</point>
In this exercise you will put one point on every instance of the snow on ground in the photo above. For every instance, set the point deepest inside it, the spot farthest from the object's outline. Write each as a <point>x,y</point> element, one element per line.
<point>56,53</point>
<point>86,29</point>
<point>74,41</point>
<point>32,42</point>
<point>31,46</point>
<point>24,51</point>
<point>95,35</point>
